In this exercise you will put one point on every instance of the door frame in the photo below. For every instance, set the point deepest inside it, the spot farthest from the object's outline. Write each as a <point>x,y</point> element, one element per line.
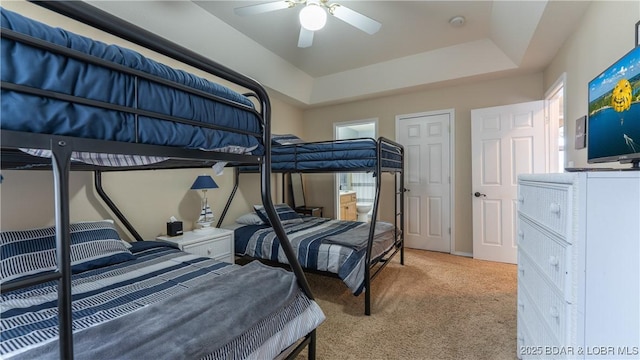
<point>451,112</point>
<point>336,176</point>
<point>552,124</point>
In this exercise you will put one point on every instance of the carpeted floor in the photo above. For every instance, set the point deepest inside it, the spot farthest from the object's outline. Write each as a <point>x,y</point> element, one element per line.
<point>436,306</point>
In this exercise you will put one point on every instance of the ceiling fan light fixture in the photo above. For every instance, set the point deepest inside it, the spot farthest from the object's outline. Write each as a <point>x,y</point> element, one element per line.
<point>313,17</point>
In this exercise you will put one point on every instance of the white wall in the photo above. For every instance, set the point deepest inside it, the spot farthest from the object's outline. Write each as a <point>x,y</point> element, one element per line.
<point>606,33</point>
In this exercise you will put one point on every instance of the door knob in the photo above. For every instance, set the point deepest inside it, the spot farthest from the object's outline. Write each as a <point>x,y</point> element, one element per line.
<point>478,194</point>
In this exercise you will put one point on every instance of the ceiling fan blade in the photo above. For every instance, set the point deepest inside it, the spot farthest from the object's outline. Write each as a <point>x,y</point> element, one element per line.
<point>355,19</point>
<point>262,8</point>
<point>306,38</point>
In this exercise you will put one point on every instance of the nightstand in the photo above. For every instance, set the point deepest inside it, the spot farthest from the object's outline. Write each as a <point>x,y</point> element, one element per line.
<point>309,210</point>
<point>215,243</point>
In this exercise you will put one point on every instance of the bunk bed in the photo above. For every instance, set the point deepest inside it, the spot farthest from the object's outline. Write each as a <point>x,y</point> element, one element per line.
<point>72,103</point>
<point>355,252</point>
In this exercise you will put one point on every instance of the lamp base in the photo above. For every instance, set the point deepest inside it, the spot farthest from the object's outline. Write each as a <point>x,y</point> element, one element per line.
<point>204,226</point>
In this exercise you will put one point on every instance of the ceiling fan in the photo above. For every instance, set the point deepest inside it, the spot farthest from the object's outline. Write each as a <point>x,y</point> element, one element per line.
<point>313,16</point>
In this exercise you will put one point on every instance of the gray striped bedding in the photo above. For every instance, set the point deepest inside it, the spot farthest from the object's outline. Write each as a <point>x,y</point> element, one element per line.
<point>316,243</point>
<point>164,304</point>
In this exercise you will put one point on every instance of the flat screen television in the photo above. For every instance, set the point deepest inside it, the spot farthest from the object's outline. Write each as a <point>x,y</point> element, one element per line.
<point>613,127</point>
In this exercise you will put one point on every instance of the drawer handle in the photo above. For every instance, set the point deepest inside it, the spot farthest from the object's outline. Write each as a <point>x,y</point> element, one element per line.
<point>553,311</point>
<point>208,251</point>
<point>521,199</point>
<point>521,305</point>
<point>521,234</point>
<point>553,261</point>
<point>554,208</point>
<point>521,270</point>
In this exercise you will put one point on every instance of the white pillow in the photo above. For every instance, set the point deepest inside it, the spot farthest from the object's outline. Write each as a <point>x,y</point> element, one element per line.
<point>250,219</point>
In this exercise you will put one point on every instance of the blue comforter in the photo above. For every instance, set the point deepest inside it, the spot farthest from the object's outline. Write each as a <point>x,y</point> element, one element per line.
<point>26,65</point>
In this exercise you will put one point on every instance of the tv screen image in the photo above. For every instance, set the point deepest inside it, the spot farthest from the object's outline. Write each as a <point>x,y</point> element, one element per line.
<point>613,129</point>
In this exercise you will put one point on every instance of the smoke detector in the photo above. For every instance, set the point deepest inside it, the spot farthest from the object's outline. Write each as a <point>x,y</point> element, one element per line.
<point>457,21</point>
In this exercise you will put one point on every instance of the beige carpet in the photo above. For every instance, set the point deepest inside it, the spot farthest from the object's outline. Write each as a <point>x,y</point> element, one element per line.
<point>436,306</point>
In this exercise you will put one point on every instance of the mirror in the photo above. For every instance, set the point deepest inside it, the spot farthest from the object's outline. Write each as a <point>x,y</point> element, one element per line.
<point>297,190</point>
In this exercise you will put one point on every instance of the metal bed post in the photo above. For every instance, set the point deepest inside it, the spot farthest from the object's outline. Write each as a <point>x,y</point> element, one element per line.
<point>267,202</point>
<point>236,181</point>
<point>402,208</point>
<point>61,163</point>
<point>372,229</point>
<point>97,182</point>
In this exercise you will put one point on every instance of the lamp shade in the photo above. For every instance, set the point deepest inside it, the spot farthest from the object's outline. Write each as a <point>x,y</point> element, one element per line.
<point>204,182</point>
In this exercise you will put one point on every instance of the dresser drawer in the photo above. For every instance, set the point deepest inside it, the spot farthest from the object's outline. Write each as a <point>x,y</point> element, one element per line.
<point>550,254</point>
<point>548,205</point>
<point>534,339</point>
<point>552,308</point>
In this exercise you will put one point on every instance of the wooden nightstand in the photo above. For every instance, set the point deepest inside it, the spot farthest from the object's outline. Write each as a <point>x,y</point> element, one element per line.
<point>309,210</point>
<point>215,243</point>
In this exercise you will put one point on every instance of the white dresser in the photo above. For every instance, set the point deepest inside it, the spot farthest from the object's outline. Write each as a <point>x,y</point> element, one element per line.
<point>579,265</point>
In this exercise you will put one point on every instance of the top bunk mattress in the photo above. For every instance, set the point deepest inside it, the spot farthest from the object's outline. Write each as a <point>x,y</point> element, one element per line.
<point>115,94</point>
<point>353,154</point>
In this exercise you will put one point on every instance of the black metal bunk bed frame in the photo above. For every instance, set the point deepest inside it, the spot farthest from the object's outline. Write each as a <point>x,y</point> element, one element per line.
<point>62,147</point>
<point>377,264</point>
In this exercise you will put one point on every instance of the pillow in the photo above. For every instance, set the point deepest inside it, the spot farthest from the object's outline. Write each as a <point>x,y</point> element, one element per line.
<point>250,219</point>
<point>286,214</point>
<point>94,244</point>
<point>286,139</point>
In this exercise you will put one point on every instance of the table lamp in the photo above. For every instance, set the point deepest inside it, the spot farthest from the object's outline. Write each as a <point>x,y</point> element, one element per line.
<point>204,182</point>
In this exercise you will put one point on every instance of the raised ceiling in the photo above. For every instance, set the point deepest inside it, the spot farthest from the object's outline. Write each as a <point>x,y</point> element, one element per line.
<point>416,46</point>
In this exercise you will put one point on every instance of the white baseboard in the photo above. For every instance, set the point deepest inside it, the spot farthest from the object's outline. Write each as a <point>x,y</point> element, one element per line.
<point>460,253</point>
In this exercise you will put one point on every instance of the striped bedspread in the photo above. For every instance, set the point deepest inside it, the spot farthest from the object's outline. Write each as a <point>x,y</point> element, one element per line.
<point>313,251</point>
<point>164,304</point>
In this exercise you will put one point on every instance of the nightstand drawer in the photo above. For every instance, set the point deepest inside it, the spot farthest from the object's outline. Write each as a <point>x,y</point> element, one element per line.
<point>310,211</point>
<point>214,243</point>
<point>217,248</point>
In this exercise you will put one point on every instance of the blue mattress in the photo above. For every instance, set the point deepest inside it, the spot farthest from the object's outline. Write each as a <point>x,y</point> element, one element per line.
<point>358,154</point>
<point>27,65</point>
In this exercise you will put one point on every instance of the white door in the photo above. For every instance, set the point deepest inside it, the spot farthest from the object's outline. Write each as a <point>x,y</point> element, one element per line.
<point>425,138</point>
<point>505,141</point>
